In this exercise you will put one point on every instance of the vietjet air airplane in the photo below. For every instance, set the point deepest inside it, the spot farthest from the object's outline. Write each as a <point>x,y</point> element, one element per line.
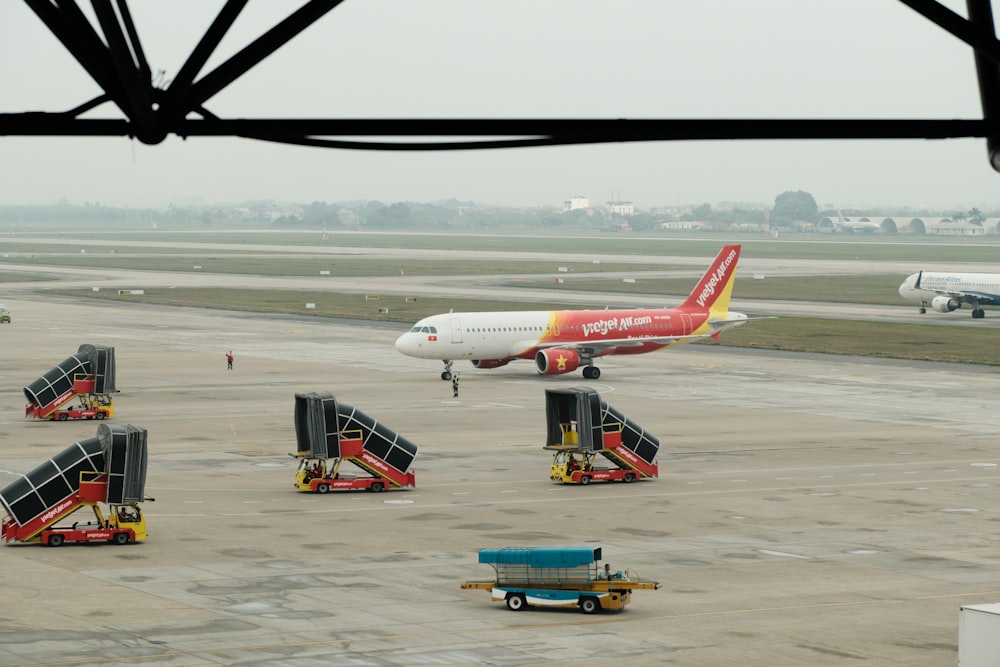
<point>945,292</point>
<point>560,341</point>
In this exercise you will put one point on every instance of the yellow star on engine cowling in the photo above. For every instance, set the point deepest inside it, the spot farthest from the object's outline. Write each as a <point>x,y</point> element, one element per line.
<point>561,361</point>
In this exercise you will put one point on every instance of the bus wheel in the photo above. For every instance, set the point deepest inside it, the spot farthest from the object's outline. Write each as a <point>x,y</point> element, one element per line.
<point>515,602</point>
<point>589,605</point>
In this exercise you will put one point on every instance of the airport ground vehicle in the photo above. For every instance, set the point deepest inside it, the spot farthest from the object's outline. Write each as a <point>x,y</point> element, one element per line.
<point>106,473</point>
<point>91,406</point>
<point>583,430</point>
<point>330,433</point>
<point>573,468</point>
<point>121,525</point>
<point>323,475</point>
<point>556,577</point>
<point>88,377</point>
<point>4,315</point>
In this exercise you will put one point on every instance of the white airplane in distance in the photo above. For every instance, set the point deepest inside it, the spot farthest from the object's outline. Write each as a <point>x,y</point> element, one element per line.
<point>560,341</point>
<point>945,292</point>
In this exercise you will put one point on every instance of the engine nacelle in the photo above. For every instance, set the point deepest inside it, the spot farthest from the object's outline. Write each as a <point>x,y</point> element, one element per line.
<point>556,362</point>
<point>490,363</point>
<point>945,304</point>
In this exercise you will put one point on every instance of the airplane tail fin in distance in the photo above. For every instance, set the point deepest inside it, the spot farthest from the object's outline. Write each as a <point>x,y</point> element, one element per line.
<point>715,288</point>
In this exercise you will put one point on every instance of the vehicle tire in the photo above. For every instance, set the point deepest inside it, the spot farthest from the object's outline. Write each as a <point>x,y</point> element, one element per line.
<point>63,417</point>
<point>378,487</point>
<point>101,415</point>
<point>121,538</point>
<point>585,480</point>
<point>322,488</point>
<point>589,605</point>
<point>446,375</point>
<point>629,477</point>
<point>516,602</point>
<point>56,540</point>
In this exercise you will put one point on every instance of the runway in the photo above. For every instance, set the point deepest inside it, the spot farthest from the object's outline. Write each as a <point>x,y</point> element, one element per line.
<point>809,510</point>
<point>495,287</point>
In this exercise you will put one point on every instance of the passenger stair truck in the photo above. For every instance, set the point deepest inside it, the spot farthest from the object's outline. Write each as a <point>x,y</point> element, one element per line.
<point>330,433</point>
<point>556,577</point>
<point>584,431</point>
<point>106,470</point>
<point>88,376</point>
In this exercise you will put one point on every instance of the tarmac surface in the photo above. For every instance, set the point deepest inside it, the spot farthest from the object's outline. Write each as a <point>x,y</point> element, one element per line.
<point>810,510</point>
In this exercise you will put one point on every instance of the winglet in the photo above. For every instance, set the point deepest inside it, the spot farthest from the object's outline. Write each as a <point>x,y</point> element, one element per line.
<point>716,286</point>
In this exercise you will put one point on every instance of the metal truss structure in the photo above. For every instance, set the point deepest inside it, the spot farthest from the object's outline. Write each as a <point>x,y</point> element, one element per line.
<point>115,60</point>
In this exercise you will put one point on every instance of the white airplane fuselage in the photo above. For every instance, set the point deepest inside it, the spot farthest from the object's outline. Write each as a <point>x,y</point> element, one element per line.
<point>946,292</point>
<point>519,334</point>
<point>560,341</point>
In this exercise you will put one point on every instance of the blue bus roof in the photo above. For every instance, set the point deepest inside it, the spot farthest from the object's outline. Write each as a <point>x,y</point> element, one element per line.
<point>541,556</point>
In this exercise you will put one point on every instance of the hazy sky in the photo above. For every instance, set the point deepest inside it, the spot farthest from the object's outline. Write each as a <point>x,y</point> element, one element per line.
<point>525,58</point>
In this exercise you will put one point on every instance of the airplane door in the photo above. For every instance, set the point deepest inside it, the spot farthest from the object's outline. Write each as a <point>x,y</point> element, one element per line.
<point>456,330</point>
<point>685,323</point>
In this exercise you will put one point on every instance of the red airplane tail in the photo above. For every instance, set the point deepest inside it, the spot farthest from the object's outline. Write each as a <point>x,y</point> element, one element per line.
<point>715,287</point>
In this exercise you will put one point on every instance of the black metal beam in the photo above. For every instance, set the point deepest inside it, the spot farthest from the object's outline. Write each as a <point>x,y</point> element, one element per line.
<point>137,98</point>
<point>204,49</point>
<point>68,24</point>
<point>988,74</point>
<point>121,70</point>
<point>513,131</point>
<point>226,73</point>
<point>984,43</point>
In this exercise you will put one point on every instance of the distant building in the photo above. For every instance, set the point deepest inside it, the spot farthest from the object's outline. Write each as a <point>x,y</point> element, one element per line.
<point>575,203</point>
<point>622,208</point>
<point>683,225</point>
<point>942,227</point>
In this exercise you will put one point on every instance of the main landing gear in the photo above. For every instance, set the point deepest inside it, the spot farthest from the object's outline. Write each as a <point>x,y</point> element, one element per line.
<point>446,373</point>
<point>591,372</point>
<point>977,312</point>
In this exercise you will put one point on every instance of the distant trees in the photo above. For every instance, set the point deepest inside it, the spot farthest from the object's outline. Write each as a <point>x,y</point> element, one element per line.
<point>973,216</point>
<point>792,206</point>
<point>725,216</point>
<point>320,214</point>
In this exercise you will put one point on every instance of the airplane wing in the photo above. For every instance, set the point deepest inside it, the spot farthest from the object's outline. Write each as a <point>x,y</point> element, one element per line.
<point>974,298</point>
<point>596,347</point>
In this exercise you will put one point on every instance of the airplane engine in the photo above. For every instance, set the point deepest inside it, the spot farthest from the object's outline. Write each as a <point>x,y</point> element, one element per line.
<point>556,362</point>
<point>945,304</point>
<point>490,363</point>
